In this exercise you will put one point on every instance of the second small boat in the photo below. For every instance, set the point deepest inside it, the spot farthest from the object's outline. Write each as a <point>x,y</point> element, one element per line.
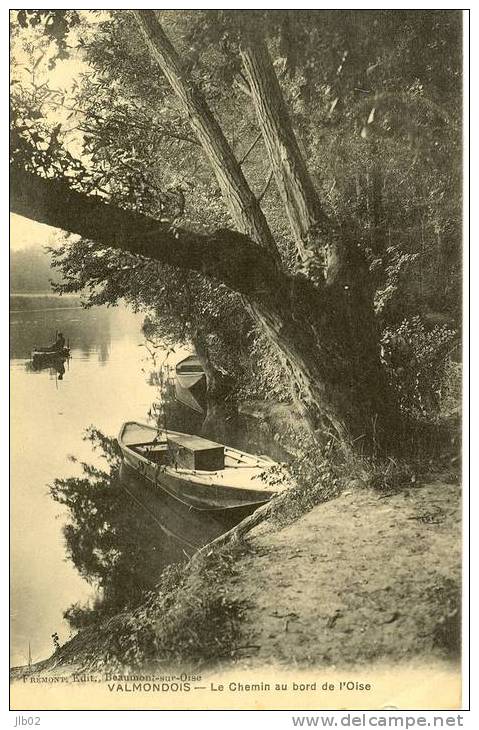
<point>47,354</point>
<point>189,371</point>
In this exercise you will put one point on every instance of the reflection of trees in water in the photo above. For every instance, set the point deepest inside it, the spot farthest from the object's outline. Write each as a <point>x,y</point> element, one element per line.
<point>104,352</point>
<point>109,538</point>
<point>170,413</point>
<point>216,423</point>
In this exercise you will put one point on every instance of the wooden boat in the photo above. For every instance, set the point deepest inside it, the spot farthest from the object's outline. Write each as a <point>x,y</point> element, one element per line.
<point>201,474</point>
<point>190,397</point>
<point>189,371</point>
<point>47,354</point>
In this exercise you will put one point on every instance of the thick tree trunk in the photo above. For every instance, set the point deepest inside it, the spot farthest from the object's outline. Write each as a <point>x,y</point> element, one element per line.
<point>309,223</point>
<point>336,366</point>
<point>338,374</point>
<point>236,191</point>
<point>351,330</point>
<point>325,332</point>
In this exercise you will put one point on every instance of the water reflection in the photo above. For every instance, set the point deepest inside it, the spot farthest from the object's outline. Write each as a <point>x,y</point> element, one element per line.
<point>107,381</point>
<point>56,366</point>
<point>177,411</point>
<point>115,541</point>
<point>88,330</point>
<point>103,382</point>
<point>193,398</point>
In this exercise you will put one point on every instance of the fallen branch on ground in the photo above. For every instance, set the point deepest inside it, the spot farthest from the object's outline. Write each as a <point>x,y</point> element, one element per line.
<point>239,531</point>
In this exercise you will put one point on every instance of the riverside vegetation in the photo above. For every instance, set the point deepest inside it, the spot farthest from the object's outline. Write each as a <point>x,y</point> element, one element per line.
<point>325,296</point>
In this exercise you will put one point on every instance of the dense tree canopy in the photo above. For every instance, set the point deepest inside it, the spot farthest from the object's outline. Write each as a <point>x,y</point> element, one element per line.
<point>323,208</point>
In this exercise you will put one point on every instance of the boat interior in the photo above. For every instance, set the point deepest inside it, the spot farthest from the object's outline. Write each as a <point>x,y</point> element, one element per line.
<point>187,368</point>
<point>158,453</point>
<point>186,451</point>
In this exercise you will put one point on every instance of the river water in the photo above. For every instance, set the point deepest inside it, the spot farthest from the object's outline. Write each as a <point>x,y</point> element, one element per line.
<point>106,381</point>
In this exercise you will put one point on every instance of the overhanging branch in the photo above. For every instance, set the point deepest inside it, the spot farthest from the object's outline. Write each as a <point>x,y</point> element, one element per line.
<point>226,255</point>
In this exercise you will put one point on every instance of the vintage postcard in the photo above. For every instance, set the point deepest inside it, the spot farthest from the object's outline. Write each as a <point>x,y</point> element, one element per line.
<point>236,264</point>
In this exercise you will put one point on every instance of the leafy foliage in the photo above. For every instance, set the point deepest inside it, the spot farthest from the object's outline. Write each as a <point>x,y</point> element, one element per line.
<point>375,98</point>
<point>56,25</point>
<point>417,359</point>
<point>110,542</point>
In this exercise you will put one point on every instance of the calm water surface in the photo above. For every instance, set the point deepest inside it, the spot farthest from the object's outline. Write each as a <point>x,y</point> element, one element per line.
<point>105,383</point>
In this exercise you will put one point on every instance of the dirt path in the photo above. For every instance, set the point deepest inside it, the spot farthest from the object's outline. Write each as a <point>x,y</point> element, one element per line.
<point>358,579</point>
<point>363,579</point>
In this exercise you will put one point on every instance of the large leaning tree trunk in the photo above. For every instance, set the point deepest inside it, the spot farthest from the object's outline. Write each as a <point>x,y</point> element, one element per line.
<point>345,274</point>
<point>310,226</point>
<point>324,330</point>
<point>326,334</point>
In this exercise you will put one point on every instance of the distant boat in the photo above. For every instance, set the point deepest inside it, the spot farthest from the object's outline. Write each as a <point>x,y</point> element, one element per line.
<point>49,354</point>
<point>189,371</point>
<point>202,474</point>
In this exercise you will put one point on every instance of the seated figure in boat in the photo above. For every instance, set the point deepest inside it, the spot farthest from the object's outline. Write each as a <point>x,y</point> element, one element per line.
<point>59,342</point>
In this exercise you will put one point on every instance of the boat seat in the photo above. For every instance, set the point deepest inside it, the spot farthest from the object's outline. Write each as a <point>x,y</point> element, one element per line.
<point>149,444</point>
<point>152,448</point>
<point>158,453</point>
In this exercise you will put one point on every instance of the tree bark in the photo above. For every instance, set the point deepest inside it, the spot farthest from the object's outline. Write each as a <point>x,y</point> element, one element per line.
<point>325,331</point>
<point>346,274</point>
<point>225,255</point>
<point>236,191</point>
<point>309,223</point>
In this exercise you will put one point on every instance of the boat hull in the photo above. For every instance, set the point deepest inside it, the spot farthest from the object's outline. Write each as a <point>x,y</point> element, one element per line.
<point>189,372</point>
<point>49,355</point>
<point>187,526</point>
<point>240,484</point>
<point>189,380</point>
<point>191,397</point>
<point>194,495</point>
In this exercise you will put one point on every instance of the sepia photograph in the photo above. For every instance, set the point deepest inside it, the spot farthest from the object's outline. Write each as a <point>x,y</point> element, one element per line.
<point>236,345</point>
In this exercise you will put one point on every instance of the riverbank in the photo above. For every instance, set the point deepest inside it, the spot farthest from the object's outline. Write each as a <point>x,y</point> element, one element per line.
<point>34,301</point>
<point>367,577</point>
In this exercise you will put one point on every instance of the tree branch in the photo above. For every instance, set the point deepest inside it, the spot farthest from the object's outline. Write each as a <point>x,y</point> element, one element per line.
<point>226,255</point>
<point>266,186</point>
<point>307,217</point>
<point>240,199</point>
<point>250,148</point>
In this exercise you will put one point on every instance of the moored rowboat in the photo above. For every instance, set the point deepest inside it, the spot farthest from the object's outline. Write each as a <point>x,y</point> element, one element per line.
<point>189,371</point>
<point>202,474</point>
